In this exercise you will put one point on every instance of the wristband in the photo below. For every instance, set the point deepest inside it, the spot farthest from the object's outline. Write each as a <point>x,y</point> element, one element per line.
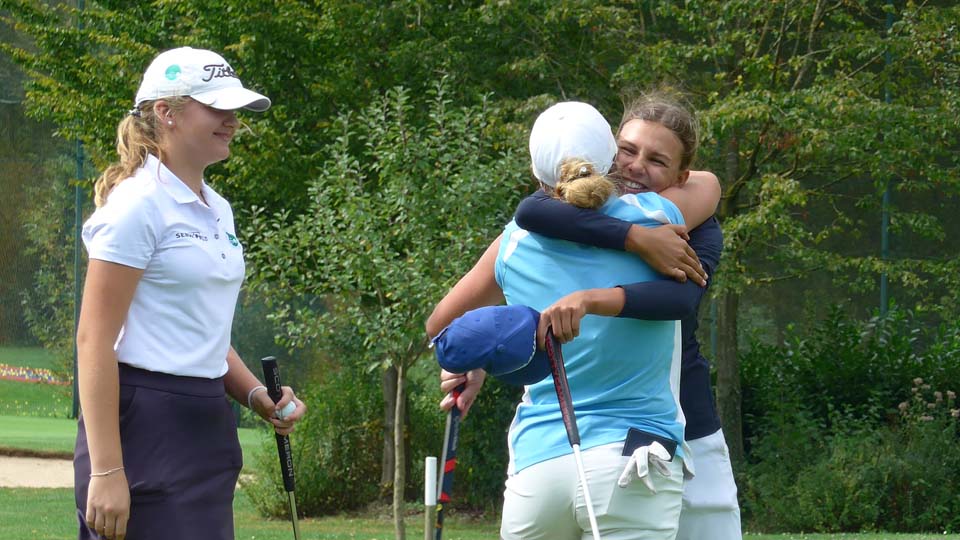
<point>251,393</point>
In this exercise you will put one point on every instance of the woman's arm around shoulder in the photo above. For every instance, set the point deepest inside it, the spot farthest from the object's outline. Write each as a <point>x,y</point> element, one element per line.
<point>697,198</point>
<point>543,214</point>
<point>664,248</point>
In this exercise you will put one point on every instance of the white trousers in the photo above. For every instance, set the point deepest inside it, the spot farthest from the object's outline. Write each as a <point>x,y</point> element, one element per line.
<point>710,508</point>
<point>545,501</point>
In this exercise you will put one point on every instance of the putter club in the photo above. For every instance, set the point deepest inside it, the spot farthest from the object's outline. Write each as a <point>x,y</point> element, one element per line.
<point>451,437</point>
<point>271,376</point>
<point>562,386</point>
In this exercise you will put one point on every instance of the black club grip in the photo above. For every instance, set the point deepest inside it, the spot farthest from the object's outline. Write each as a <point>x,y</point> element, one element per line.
<point>271,379</point>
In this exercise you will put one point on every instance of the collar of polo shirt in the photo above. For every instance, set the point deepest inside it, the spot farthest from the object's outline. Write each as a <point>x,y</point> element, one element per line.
<point>172,183</point>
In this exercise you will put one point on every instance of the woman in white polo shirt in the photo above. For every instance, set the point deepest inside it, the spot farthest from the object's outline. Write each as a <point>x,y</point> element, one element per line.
<point>157,454</point>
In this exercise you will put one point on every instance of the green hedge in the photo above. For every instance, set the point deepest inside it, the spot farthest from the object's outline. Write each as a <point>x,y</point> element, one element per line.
<point>853,427</point>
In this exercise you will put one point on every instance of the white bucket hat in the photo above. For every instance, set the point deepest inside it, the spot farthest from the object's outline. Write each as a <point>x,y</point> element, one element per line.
<point>570,130</point>
<point>200,74</point>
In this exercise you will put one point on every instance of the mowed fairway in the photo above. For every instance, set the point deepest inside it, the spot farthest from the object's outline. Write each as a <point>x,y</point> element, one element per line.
<point>48,514</point>
<point>57,435</point>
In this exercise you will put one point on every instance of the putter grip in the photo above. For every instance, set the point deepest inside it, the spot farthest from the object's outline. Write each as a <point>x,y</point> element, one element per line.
<point>271,379</point>
<point>562,386</point>
<point>449,463</point>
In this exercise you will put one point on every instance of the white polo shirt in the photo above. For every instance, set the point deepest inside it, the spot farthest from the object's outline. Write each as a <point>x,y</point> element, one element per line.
<point>182,310</point>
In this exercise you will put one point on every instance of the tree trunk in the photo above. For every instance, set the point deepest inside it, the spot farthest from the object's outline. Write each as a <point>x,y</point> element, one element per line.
<point>399,438</point>
<point>728,376</point>
<point>388,463</point>
<point>728,364</point>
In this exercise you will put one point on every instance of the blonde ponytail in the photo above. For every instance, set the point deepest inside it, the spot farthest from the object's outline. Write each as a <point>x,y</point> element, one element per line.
<point>581,186</point>
<point>137,136</point>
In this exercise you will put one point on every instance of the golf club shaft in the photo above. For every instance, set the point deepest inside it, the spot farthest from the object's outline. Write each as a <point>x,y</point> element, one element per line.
<point>448,460</point>
<point>565,400</point>
<point>271,375</point>
<point>591,515</point>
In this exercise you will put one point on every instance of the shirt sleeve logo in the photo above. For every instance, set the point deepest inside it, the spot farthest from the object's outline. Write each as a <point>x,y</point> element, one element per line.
<point>233,240</point>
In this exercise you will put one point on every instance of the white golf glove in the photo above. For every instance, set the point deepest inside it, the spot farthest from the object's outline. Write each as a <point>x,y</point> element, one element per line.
<point>644,459</point>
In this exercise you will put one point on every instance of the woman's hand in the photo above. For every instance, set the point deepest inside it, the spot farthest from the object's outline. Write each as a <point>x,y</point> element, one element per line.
<point>472,381</point>
<point>666,250</point>
<point>270,412</point>
<point>564,317</point>
<point>565,314</point>
<point>108,505</point>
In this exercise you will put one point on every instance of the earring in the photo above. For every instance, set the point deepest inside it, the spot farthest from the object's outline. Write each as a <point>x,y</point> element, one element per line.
<point>170,122</point>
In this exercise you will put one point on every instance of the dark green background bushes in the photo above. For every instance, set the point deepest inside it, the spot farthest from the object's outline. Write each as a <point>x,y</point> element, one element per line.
<point>853,426</point>
<point>338,446</point>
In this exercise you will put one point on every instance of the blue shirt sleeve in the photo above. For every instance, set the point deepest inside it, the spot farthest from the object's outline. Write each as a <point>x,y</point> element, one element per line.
<point>670,300</point>
<point>542,214</point>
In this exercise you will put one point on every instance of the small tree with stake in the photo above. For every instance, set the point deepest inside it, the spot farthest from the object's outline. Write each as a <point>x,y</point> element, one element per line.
<point>402,206</point>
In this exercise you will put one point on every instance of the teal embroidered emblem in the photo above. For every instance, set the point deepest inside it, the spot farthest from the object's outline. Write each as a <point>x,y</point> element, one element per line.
<point>233,240</point>
<point>172,72</point>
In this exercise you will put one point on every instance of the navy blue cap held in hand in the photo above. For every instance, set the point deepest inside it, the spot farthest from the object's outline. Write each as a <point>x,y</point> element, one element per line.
<point>502,340</point>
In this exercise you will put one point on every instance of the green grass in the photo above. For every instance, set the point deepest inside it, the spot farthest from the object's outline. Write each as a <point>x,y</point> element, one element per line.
<point>32,399</point>
<point>38,434</point>
<point>851,536</point>
<point>35,357</point>
<point>34,417</point>
<point>58,434</point>
<point>35,399</point>
<point>51,515</point>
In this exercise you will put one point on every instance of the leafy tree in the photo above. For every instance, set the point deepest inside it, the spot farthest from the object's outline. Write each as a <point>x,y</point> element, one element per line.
<point>401,207</point>
<point>809,110</point>
<point>47,304</point>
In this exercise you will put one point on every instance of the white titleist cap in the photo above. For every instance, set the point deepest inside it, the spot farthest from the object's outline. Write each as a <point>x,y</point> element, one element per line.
<point>570,130</point>
<point>201,74</point>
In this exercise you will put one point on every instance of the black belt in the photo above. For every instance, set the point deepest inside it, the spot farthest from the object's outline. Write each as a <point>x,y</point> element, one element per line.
<point>637,438</point>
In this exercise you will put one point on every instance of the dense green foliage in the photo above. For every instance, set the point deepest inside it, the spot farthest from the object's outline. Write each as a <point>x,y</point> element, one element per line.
<point>395,151</point>
<point>375,242</point>
<point>337,446</point>
<point>854,426</point>
<point>48,305</point>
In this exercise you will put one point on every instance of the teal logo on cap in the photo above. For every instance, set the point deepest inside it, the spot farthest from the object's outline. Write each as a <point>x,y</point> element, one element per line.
<point>173,72</point>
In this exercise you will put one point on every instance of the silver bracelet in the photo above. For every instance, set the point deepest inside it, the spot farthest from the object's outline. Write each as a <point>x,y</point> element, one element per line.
<point>251,393</point>
<point>106,473</point>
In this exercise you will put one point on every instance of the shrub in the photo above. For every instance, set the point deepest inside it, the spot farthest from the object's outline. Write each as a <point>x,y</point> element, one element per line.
<point>337,447</point>
<point>831,450</point>
<point>893,478</point>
